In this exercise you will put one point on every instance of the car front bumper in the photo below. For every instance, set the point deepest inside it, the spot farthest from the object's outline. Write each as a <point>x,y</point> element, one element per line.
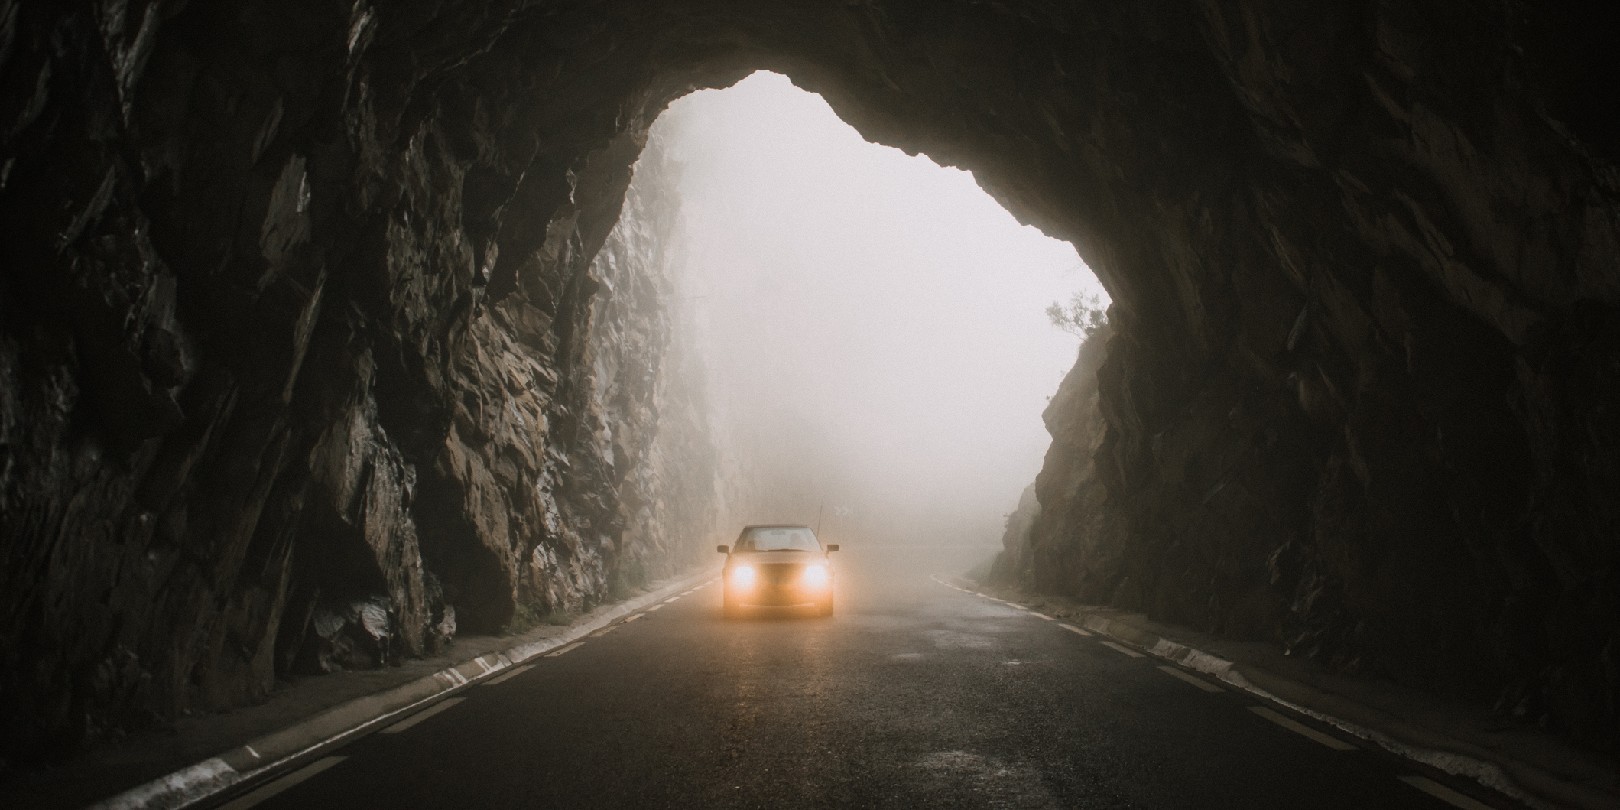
<point>777,596</point>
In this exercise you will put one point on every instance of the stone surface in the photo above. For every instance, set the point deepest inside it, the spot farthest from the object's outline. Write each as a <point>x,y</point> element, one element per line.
<point>261,417</point>
<point>298,306</point>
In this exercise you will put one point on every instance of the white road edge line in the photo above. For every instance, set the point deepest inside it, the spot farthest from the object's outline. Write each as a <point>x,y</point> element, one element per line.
<point>1485,773</point>
<point>1301,729</point>
<point>421,715</point>
<point>1198,682</point>
<point>508,675</point>
<point>290,780</point>
<point>207,779</point>
<point>1124,649</point>
<point>1040,615</point>
<point>1443,793</point>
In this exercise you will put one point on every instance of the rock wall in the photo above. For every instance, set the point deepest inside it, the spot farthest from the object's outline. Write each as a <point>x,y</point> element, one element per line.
<point>650,406</point>
<point>296,293</point>
<point>1013,565</point>
<point>261,415</point>
<point>1064,533</point>
<point>1346,418</point>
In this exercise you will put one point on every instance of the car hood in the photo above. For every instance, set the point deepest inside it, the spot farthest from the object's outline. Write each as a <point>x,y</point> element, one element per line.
<point>793,557</point>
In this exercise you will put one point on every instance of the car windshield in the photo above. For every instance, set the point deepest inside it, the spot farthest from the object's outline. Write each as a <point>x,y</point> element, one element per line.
<point>777,538</point>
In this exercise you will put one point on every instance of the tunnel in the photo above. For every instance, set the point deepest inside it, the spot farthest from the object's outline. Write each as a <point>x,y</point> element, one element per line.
<point>298,298</point>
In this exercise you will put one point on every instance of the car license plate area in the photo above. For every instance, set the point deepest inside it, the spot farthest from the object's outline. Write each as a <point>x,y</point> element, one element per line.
<point>779,586</point>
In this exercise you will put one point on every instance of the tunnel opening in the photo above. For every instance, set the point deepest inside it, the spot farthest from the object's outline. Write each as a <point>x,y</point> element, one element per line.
<point>870,325</point>
<point>1358,399</point>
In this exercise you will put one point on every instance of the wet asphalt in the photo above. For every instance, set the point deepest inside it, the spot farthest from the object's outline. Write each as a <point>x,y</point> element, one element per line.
<point>912,695</point>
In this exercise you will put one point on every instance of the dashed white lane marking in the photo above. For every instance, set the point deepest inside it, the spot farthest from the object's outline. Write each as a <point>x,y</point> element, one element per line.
<point>632,617</point>
<point>1301,729</point>
<point>655,607</point>
<point>290,780</point>
<point>509,675</point>
<point>604,631</point>
<point>1122,648</point>
<point>1071,628</point>
<point>1443,793</point>
<point>1195,681</point>
<point>1039,615</point>
<point>421,715</point>
<point>1017,607</point>
<point>564,648</point>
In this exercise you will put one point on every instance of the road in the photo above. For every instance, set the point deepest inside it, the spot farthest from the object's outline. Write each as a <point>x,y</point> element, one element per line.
<point>913,695</point>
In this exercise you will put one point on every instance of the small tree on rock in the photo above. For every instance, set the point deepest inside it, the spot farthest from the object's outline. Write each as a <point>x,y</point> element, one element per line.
<point>1082,317</point>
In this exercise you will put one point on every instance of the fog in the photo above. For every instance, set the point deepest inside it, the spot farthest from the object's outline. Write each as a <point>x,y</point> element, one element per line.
<point>872,324</point>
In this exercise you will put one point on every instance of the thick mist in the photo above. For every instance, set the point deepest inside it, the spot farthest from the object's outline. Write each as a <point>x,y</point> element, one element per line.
<point>872,324</point>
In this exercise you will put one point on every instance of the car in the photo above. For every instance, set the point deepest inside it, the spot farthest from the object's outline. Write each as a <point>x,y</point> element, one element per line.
<point>777,566</point>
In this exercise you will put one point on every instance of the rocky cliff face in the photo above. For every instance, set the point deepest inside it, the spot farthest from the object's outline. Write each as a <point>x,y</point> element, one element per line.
<point>260,415</point>
<point>650,406</point>
<point>1065,533</point>
<point>297,302</point>
<point>1358,437</point>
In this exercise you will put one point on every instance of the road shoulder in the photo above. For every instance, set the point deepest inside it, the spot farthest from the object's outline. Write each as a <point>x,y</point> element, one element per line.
<point>203,756</point>
<point>1525,763</point>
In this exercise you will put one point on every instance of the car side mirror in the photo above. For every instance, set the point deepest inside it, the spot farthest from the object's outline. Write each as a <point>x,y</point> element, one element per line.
<point>831,547</point>
<point>723,548</point>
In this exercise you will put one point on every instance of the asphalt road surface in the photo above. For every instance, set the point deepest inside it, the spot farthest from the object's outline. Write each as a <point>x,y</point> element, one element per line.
<point>913,694</point>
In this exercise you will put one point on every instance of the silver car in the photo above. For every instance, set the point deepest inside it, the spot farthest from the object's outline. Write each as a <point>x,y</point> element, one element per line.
<point>777,566</point>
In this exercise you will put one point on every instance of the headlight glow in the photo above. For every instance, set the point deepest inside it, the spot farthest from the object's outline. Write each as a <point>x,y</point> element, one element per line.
<point>743,576</point>
<point>816,576</point>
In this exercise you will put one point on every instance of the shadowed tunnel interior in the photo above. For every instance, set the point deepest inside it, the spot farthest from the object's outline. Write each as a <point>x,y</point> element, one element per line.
<point>302,311</point>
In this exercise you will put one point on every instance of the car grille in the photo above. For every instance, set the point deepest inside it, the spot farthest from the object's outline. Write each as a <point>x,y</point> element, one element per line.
<point>779,574</point>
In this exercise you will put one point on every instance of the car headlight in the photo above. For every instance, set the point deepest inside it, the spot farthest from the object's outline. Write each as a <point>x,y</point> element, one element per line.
<point>743,576</point>
<point>816,576</point>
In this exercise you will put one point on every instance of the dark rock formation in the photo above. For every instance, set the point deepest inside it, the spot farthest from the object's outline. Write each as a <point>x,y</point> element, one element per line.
<point>1345,419</point>
<point>1013,565</point>
<point>297,304</point>
<point>260,415</point>
<point>649,408</point>
<point>1064,534</point>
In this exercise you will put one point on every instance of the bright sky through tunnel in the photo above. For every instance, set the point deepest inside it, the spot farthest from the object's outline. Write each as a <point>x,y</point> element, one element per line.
<point>873,324</point>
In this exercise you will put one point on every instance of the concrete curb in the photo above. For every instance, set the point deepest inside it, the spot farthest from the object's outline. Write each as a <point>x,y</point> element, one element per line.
<point>278,750</point>
<point>1517,780</point>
